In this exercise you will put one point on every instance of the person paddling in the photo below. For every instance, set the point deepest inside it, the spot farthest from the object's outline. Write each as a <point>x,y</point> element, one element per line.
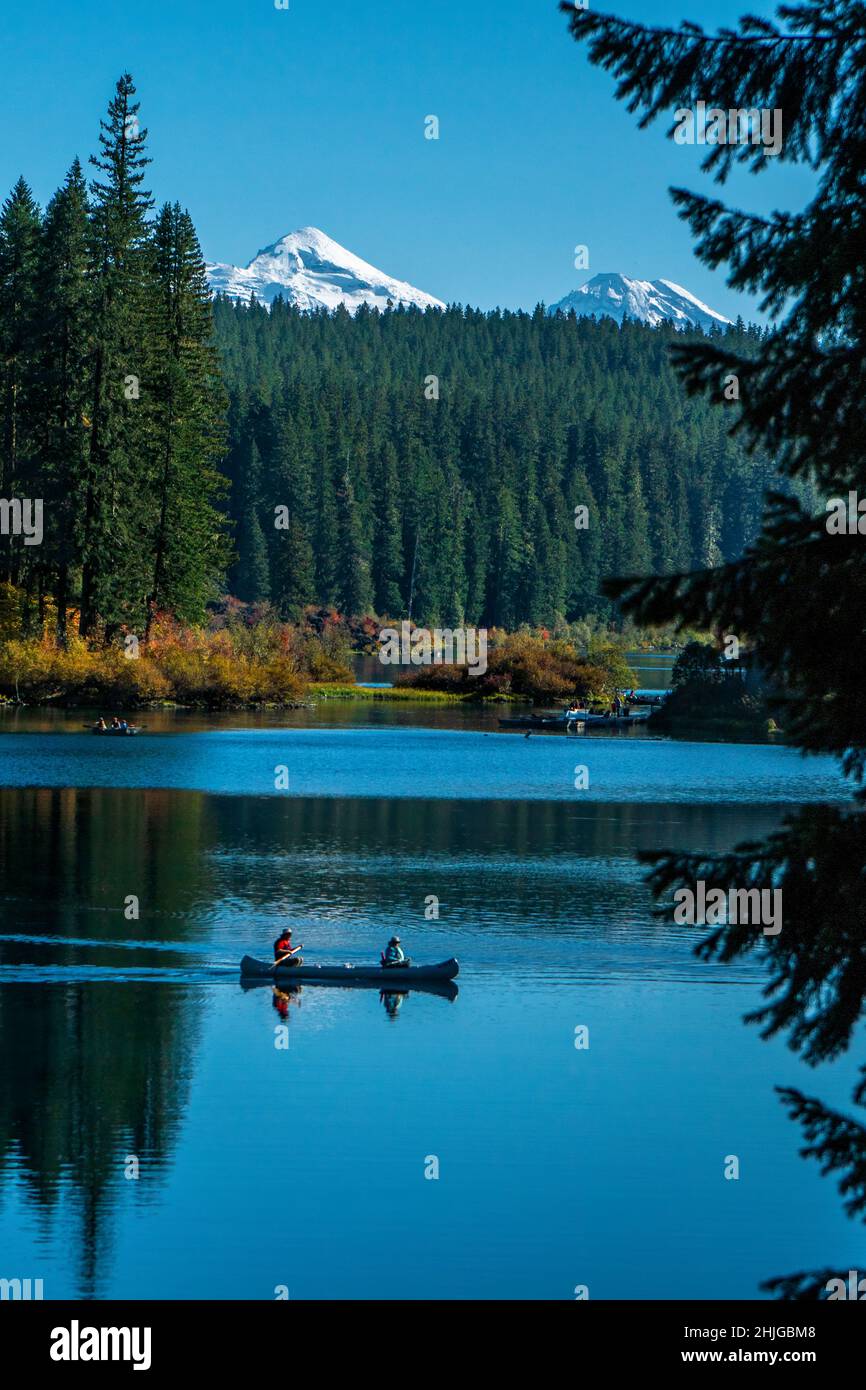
<point>393,953</point>
<point>284,952</point>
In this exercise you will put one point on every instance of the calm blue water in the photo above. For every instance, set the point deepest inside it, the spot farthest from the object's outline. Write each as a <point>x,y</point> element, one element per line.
<point>422,762</point>
<point>557,1167</point>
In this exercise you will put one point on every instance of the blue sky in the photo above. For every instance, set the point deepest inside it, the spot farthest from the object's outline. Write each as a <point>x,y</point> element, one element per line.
<point>264,120</point>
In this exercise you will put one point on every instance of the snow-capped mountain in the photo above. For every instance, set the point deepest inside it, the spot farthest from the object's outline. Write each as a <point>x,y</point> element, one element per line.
<point>649,301</point>
<point>311,270</point>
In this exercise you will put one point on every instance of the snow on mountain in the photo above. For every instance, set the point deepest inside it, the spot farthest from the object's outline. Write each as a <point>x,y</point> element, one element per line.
<point>311,270</point>
<point>649,301</point>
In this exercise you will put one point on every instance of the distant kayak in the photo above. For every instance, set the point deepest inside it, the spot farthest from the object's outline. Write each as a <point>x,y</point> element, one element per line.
<point>252,969</point>
<point>114,733</point>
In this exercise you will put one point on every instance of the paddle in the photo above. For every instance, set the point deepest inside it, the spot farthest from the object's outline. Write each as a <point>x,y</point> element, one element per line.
<point>288,957</point>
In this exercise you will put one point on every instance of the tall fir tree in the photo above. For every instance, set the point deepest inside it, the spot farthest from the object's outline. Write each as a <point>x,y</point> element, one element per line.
<point>354,590</point>
<point>797,594</point>
<point>293,572</point>
<point>387,539</point>
<point>119,484</point>
<point>293,567</point>
<point>20,231</point>
<point>251,577</point>
<point>326,532</point>
<point>61,382</point>
<point>185,403</point>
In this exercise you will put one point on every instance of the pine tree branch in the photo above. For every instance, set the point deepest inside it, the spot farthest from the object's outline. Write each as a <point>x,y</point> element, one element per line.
<point>592,21</point>
<point>805,76</point>
<point>838,1143</point>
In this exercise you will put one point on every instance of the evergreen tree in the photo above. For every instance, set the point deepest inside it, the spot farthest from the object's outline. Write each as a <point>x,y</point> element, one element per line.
<point>355,595</point>
<point>294,571</point>
<point>111,400</point>
<point>798,592</point>
<point>292,563</point>
<point>326,533</point>
<point>62,381</point>
<point>19,252</point>
<point>387,539</point>
<point>185,404</point>
<point>118,485</point>
<point>251,578</point>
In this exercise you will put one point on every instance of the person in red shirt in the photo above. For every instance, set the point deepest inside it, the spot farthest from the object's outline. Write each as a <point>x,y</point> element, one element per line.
<point>284,951</point>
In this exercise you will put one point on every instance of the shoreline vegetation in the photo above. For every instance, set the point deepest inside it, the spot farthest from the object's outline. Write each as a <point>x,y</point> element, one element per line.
<point>246,658</point>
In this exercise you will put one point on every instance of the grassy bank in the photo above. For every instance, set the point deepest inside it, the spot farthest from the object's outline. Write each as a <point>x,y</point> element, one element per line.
<point>320,690</point>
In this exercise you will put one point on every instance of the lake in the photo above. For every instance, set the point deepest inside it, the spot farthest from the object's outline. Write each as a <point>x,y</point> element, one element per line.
<point>166,1133</point>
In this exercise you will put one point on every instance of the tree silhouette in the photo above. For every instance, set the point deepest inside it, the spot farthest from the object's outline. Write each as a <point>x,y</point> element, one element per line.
<point>798,591</point>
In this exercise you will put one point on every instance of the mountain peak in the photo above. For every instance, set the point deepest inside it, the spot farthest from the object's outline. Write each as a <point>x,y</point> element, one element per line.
<point>311,270</point>
<point>616,296</point>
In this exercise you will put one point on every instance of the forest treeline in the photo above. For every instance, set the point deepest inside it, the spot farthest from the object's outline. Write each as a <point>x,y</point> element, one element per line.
<point>430,465</point>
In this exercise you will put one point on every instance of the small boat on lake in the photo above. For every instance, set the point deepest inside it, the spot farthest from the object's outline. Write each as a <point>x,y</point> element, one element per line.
<point>114,733</point>
<point>384,976</point>
<point>563,721</point>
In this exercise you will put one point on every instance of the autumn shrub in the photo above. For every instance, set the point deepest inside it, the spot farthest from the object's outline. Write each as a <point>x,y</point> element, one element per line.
<point>231,680</point>
<point>26,667</point>
<point>609,656</point>
<point>280,683</point>
<point>185,671</point>
<point>142,682</point>
<point>326,660</point>
<point>111,677</point>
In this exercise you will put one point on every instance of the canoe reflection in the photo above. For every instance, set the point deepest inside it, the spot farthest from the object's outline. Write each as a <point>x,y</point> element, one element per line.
<point>445,989</point>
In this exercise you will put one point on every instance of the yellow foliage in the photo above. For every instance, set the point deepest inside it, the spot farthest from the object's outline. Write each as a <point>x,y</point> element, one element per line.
<point>280,681</point>
<point>236,665</point>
